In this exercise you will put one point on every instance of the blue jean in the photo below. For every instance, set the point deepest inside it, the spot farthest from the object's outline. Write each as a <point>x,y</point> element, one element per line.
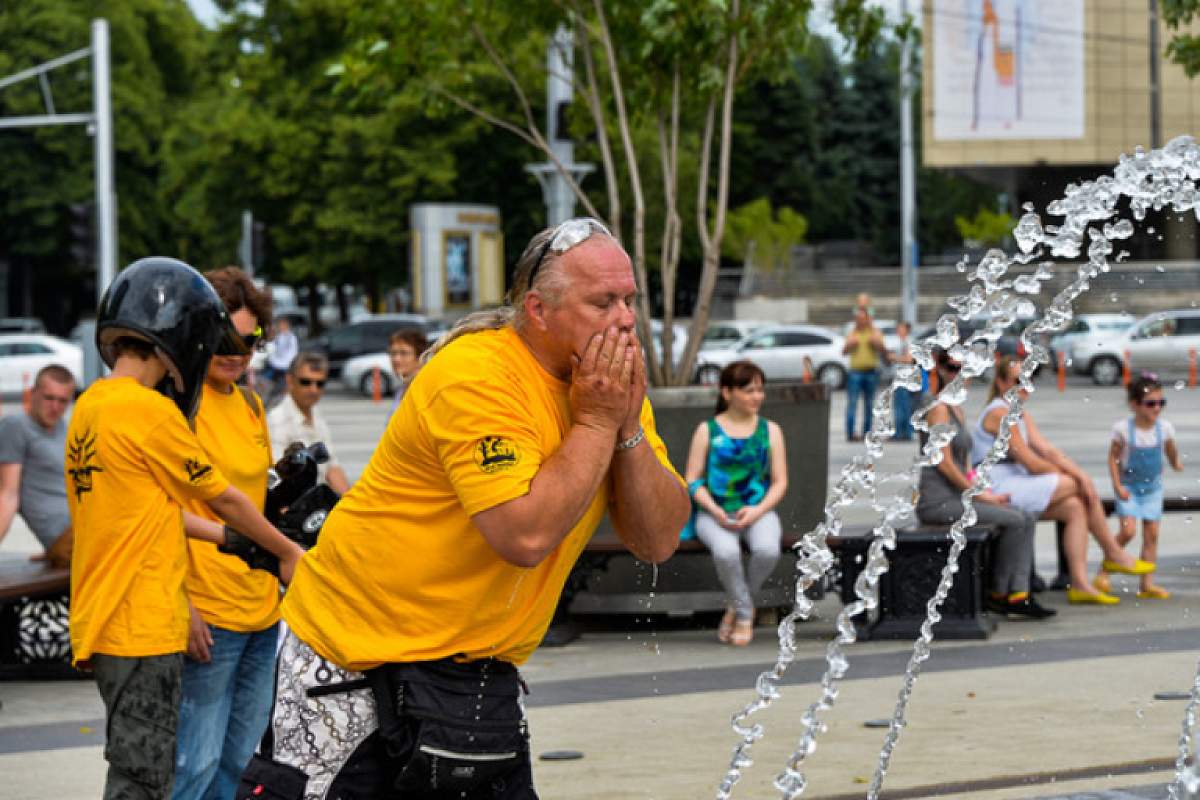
<point>224,710</point>
<point>902,406</point>
<point>860,382</point>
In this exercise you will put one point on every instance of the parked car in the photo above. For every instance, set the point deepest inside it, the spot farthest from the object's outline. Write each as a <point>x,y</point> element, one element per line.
<point>1088,327</point>
<point>22,325</point>
<point>1162,342</point>
<point>1007,344</point>
<point>358,374</point>
<point>780,352</point>
<point>726,333</point>
<point>368,335</point>
<point>22,356</point>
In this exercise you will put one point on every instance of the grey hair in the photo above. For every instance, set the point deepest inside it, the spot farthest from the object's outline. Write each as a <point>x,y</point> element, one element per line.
<point>312,359</point>
<point>551,282</point>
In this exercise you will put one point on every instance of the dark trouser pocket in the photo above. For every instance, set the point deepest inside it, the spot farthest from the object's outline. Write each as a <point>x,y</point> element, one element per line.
<point>454,760</point>
<point>266,779</point>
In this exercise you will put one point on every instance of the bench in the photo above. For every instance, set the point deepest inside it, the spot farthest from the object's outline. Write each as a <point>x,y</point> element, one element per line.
<point>20,581</point>
<point>914,570</point>
<point>916,565</point>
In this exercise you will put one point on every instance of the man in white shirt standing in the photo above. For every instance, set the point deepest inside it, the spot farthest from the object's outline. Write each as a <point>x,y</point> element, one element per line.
<point>296,418</point>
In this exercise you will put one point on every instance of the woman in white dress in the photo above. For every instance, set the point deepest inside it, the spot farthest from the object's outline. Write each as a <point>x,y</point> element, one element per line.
<point>1043,480</point>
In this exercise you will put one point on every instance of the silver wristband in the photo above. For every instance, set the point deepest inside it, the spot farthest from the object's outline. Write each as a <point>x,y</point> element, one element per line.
<point>632,441</point>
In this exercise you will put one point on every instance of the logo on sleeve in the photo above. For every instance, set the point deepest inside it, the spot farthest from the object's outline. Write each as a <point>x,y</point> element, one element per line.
<point>196,471</point>
<point>494,453</point>
<point>81,463</point>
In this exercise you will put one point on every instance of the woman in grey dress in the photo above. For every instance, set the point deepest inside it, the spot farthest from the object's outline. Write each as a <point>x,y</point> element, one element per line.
<point>940,502</point>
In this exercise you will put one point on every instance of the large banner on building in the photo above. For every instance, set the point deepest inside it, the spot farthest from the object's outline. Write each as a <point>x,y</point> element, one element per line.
<point>1008,69</point>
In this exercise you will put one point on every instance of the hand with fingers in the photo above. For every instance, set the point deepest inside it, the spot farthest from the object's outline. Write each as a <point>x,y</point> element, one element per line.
<point>602,381</point>
<point>637,392</point>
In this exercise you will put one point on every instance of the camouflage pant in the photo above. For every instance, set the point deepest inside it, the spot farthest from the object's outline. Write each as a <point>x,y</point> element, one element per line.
<point>141,697</point>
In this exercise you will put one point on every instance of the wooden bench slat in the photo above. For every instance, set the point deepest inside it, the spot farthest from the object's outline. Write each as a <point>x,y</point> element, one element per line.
<point>21,578</point>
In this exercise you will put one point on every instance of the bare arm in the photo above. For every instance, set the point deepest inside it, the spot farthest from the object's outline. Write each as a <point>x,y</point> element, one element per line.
<point>1173,455</point>
<point>10,495</point>
<point>336,478</point>
<point>526,529</point>
<point>650,505</point>
<point>1114,469</point>
<point>237,510</point>
<point>697,468</point>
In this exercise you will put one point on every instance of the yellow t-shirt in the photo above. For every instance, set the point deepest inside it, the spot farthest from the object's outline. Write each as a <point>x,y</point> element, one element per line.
<point>400,572</point>
<point>226,591</point>
<point>864,356</point>
<point>131,463</point>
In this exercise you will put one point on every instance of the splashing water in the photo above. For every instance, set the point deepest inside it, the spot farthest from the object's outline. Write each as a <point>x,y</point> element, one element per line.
<point>1147,180</point>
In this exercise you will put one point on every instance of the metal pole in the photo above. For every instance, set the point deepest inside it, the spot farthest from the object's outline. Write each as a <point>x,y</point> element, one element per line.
<point>246,248</point>
<point>560,200</point>
<point>908,201</point>
<point>1155,121</point>
<point>106,212</point>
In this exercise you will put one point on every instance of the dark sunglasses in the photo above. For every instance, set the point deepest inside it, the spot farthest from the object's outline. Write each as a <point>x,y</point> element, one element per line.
<point>1159,403</point>
<point>320,382</point>
<point>236,344</point>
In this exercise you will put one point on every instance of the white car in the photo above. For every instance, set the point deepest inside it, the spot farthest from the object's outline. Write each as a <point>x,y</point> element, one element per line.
<point>22,356</point>
<point>1162,342</point>
<point>728,332</point>
<point>358,374</point>
<point>1091,328</point>
<point>780,351</point>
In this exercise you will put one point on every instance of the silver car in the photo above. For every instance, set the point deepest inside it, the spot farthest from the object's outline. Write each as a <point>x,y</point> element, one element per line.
<point>1163,342</point>
<point>1093,328</point>
<point>781,352</point>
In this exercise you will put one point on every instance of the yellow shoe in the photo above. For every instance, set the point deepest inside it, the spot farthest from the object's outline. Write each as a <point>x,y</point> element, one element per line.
<point>1139,567</point>
<point>1155,592</point>
<point>1078,597</point>
<point>1102,582</point>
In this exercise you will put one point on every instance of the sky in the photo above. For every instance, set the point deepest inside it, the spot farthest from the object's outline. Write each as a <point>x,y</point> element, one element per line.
<point>205,11</point>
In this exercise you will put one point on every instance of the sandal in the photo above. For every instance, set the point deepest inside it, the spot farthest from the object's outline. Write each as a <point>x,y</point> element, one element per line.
<point>725,629</point>
<point>743,632</point>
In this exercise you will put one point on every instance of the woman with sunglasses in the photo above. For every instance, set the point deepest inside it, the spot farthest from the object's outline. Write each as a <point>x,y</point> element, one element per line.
<point>940,503</point>
<point>1042,480</point>
<point>230,660</point>
<point>1135,464</point>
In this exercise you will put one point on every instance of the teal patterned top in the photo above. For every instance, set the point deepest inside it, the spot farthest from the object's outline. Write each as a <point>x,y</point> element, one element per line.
<point>738,469</point>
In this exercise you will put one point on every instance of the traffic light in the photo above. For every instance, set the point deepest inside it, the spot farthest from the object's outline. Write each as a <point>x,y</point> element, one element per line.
<point>82,230</point>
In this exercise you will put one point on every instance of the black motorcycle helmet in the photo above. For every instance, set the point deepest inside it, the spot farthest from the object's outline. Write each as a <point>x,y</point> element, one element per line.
<point>170,305</point>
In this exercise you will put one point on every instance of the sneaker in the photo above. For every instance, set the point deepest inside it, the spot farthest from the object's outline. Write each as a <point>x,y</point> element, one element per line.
<point>1020,609</point>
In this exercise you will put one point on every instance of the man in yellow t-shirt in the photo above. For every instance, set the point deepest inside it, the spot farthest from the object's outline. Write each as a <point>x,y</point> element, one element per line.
<point>132,462</point>
<point>864,345</point>
<point>441,568</point>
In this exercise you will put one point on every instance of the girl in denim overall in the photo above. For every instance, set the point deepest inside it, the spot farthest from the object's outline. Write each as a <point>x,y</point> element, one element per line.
<point>1135,464</point>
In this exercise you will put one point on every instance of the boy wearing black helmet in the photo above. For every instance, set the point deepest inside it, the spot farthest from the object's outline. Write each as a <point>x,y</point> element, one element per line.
<point>132,461</point>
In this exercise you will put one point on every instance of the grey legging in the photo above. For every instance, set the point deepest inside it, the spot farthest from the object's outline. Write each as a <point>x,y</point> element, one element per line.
<point>1012,556</point>
<point>741,583</point>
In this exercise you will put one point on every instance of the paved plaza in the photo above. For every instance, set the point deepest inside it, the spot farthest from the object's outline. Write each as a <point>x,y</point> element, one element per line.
<point>1087,704</point>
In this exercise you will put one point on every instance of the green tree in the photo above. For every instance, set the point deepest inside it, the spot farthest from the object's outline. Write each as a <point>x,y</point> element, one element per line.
<point>986,229</point>
<point>764,236</point>
<point>666,67</point>
<point>332,174</point>
<point>1184,47</point>
<point>155,48</point>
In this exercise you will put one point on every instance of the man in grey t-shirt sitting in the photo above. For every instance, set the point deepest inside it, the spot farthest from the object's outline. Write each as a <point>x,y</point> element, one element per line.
<point>32,480</point>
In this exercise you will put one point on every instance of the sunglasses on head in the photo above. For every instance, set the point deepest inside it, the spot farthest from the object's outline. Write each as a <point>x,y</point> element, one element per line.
<point>238,344</point>
<point>320,382</point>
<point>567,235</point>
<point>1159,403</point>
